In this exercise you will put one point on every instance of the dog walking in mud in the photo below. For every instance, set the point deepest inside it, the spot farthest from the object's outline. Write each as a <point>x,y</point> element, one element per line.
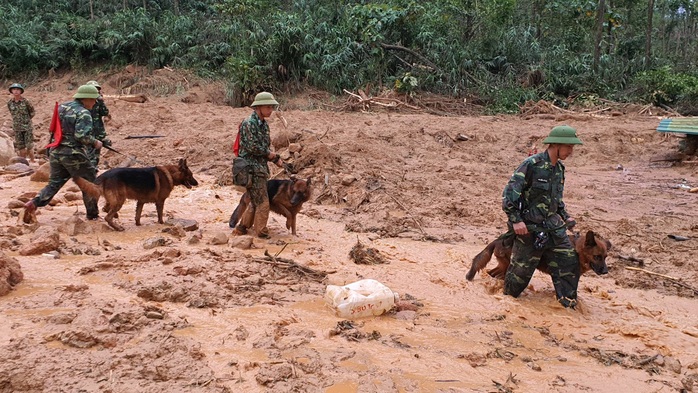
<point>286,197</point>
<point>532,200</point>
<point>144,185</point>
<point>592,250</point>
<point>250,167</point>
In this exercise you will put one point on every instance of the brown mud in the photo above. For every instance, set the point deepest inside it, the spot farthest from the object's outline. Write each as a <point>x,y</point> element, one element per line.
<point>189,315</point>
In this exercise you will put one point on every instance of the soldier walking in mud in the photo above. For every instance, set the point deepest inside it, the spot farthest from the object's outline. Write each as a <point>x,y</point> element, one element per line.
<point>255,143</point>
<point>533,203</point>
<point>22,112</point>
<point>67,155</point>
<point>100,114</point>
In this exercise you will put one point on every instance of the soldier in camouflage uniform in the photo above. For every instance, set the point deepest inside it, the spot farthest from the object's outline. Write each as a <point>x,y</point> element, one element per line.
<point>255,145</point>
<point>69,158</point>
<point>533,203</point>
<point>99,113</point>
<point>22,112</point>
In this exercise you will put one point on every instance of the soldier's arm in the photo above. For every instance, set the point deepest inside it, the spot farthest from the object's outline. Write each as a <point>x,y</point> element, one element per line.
<point>103,110</point>
<point>561,205</point>
<point>83,128</point>
<point>511,197</point>
<point>30,107</point>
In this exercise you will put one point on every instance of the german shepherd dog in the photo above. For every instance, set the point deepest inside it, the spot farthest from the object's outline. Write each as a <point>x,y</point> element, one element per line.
<point>592,250</point>
<point>145,185</point>
<point>286,197</point>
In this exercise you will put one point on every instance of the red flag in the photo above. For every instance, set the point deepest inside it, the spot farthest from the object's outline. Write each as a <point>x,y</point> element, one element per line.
<point>236,144</point>
<point>55,129</point>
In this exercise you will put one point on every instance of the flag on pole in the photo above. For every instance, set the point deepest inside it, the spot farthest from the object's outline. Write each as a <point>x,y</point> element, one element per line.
<point>55,129</point>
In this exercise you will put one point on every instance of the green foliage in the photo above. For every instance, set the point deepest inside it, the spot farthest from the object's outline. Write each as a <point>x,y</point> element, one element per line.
<point>453,47</point>
<point>665,86</point>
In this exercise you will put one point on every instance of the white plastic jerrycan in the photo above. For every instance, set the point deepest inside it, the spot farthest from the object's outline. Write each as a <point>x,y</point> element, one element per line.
<point>360,299</point>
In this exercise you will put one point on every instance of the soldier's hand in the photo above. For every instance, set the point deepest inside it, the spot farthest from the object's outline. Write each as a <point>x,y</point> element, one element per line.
<point>570,223</point>
<point>279,162</point>
<point>98,144</point>
<point>520,228</point>
<point>106,119</point>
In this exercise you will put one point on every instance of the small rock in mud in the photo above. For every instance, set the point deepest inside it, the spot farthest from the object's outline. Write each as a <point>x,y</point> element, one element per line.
<point>153,315</point>
<point>156,242</point>
<point>10,273</point>
<point>176,230</point>
<point>45,239</point>
<point>188,225</point>
<point>219,239</point>
<point>272,373</point>
<point>242,242</point>
<point>15,204</point>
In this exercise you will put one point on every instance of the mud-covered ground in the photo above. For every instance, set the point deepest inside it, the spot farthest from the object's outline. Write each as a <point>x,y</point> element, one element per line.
<point>158,308</point>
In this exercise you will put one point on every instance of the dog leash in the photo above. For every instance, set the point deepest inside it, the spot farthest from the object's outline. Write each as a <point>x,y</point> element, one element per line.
<point>533,229</point>
<point>127,156</point>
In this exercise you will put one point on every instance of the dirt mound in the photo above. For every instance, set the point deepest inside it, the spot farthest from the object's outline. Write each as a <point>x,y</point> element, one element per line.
<point>422,190</point>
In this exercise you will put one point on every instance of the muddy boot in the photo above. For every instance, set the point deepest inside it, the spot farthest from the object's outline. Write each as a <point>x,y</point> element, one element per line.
<point>240,230</point>
<point>29,214</point>
<point>247,219</point>
<point>261,216</point>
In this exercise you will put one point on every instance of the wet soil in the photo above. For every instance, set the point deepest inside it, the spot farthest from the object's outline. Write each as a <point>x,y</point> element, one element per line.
<point>160,309</point>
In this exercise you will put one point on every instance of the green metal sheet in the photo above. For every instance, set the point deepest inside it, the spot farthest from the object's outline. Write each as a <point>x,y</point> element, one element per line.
<point>683,125</point>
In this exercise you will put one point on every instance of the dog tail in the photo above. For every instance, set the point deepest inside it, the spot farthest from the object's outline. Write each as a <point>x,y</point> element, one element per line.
<point>89,188</point>
<point>481,260</point>
<point>239,210</point>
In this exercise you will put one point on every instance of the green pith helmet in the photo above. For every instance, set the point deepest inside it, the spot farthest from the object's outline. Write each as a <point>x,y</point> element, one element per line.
<point>564,135</point>
<point>16,86</point>
<point>264,98</point>
<point>94,83</point>
<point>87,91</point>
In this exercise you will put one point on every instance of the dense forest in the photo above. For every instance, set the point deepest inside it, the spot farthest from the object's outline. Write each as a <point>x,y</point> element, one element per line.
<point>502,51</point>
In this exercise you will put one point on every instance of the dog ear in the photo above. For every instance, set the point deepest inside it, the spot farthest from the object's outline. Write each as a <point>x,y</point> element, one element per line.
<point>590,240</point>
<point>608,244</point>
<point>307,182</point>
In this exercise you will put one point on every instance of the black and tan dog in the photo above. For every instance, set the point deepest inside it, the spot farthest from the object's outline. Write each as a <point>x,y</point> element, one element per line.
<point>592,250</point>
<point>286,197</point>
<point>145,185</point>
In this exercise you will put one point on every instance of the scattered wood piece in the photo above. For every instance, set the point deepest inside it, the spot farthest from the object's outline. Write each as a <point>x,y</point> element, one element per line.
<point>288,264</point>
<point>283,119</point>
<point>144,136</point>
<point>632,259</point>
<point>13,175</point>
<point>672,279</point>
<point>137,98</point>
<point>419,226</point>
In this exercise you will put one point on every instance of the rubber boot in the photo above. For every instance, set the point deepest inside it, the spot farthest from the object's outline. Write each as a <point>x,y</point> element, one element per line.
<point>29,214</point>
<point>261,216</point>
<point>246,221</point>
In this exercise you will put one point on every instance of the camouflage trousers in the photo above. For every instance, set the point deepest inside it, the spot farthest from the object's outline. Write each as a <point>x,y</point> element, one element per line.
<point>63,168</point>
<point>24,139</point>
<point>562,260</point>
<point>258,213</point>
<point>93,155</point>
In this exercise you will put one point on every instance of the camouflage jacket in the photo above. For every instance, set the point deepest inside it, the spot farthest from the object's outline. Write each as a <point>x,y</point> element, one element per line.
<point>534,194</point>
<point>255,142</point>
<point>22,112</point>
<point>76,124</point>
<point>99,111</point>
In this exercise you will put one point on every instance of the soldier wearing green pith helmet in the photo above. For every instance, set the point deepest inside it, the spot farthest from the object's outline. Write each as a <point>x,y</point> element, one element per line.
<point>533,203</point>
<point>22,112</point>
<point>255,145</point>
<point>69,158</point>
